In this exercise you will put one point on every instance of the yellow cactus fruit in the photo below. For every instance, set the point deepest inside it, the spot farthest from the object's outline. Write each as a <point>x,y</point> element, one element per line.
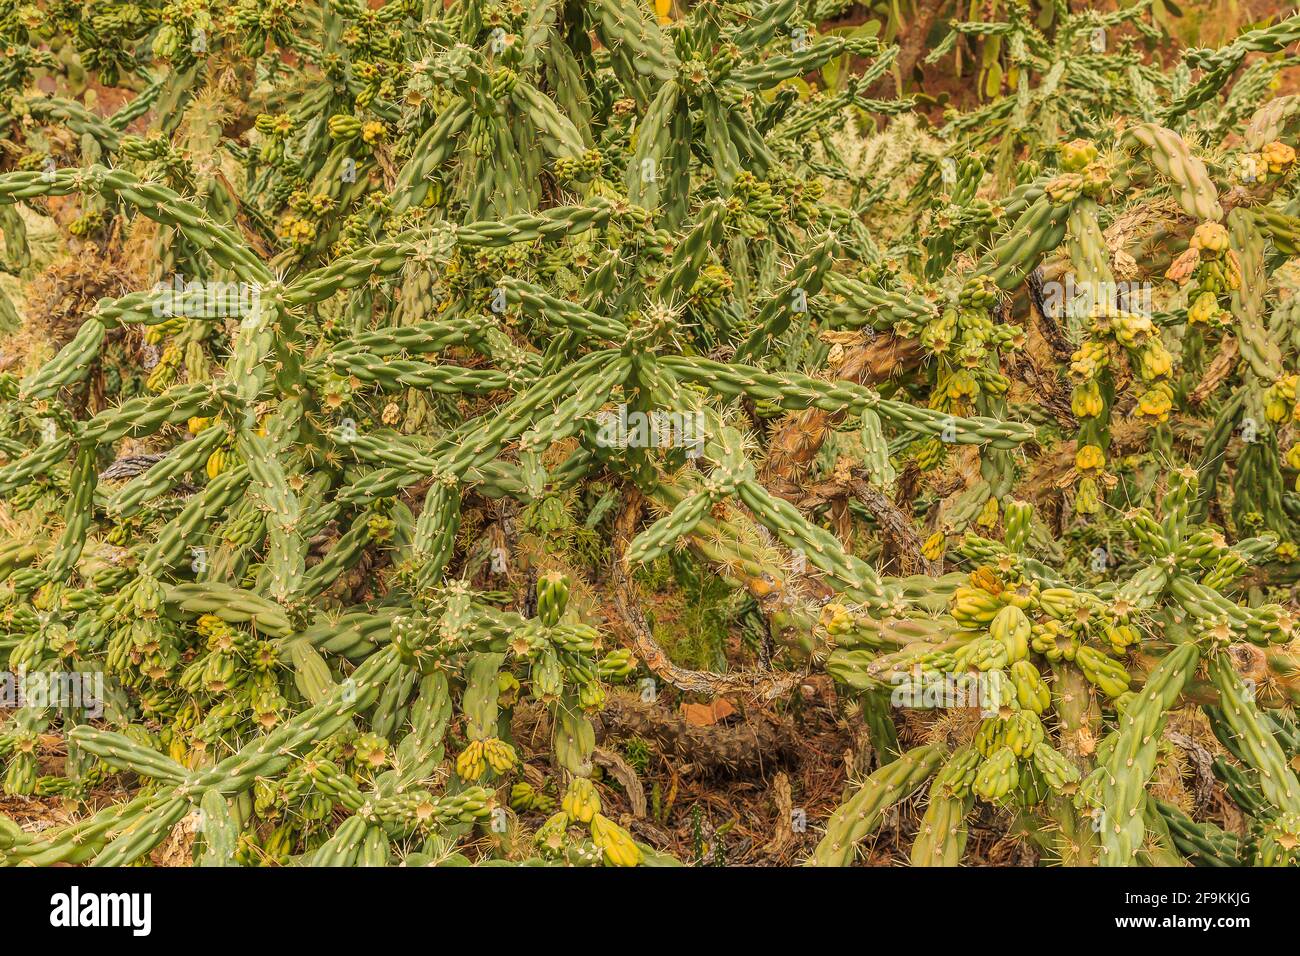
<point>1089,458</point>
<point>581,801</point>
<point>217,462</point>
<point>1203,309</point>
<point>615,842</point>
<point>1077,154</point>
<point>1210,237</point>
<point>1086,402</point>
<point>1156,402</point>
<point>934,546</point>
<point>1279,156</point>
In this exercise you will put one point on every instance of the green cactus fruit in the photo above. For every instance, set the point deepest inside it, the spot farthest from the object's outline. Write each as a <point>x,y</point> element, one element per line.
<point>1023,733</point>
<point>552,596</point>
<point>1056,770</point>
<point>998,775</point>
<point>1013,629</point>
<point>958,774</point>
<point>1030,689</point>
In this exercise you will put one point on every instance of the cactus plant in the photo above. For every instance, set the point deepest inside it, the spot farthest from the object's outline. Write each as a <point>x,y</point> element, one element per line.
<point>480,262</point>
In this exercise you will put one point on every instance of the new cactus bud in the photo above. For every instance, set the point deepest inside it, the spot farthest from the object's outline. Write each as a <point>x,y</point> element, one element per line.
<point>958,774</point>
<point>1056,770</point>
<point>1210,237</point>
<point>614,842</point>
<point>552,596</point>
<point>974,607</point>
<point>991,736</point>
<point>1077,154</point>
<point>998,775</point>
<point>551,835</point>
<point>1107,673</point>
<point>581,802</point>
<point>1031,690</point>
<point>1012,628</point>
<point>1023,732</point>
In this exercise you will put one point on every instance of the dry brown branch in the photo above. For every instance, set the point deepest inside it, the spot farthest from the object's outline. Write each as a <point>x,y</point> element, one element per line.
<point>1202,762</point>
<point>1219,370</point>
<point>901,537</point>
<point>784,837</point>
<point>749,747</point>
<point>1047,342</point>
<point>626,776</point>
<point>799,437</point>
<point>630,622</point>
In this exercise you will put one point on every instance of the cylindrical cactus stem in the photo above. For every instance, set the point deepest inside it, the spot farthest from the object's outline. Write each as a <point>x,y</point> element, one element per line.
<point>941,837</point>
<point>1168,153</point>
<point>219,830</point>
<point>863,812</point>
<point>1203,844</point>
<point>1132,759</point>
<point>1258,747</point>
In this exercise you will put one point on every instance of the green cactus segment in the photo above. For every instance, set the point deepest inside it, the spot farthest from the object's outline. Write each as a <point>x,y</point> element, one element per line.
<point>863,812</point>
<point>1259,349</point>
<point>1257,748</point>
<point>941,839</point>
<point>1132,759</point>
<point>70,366</point>
<point>794,392</point>
<point>1218,65</point>
<point>1203,844</point>
<point>480,700</point>
<point>1037,231</point>
<point>153,822</point>
<point>820,548</point>
<point>1168,153</point>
